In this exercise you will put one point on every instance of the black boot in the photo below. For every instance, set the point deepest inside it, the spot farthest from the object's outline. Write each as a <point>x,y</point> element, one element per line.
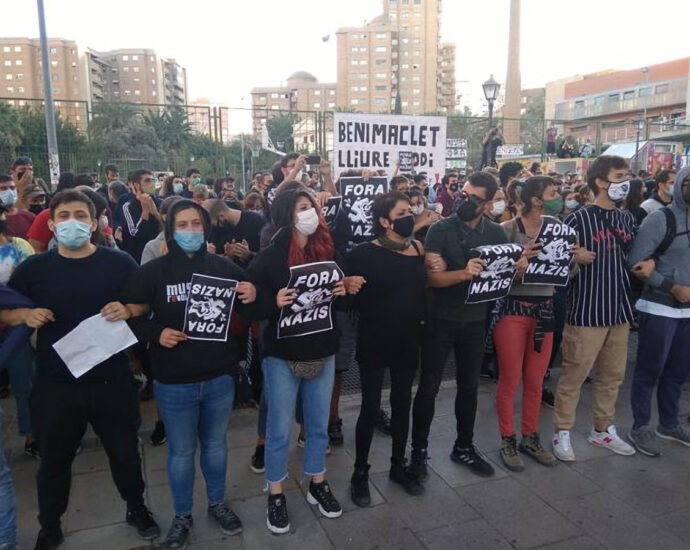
<point>359,487</point>
<point>418,464</point>
<point>400,473</point>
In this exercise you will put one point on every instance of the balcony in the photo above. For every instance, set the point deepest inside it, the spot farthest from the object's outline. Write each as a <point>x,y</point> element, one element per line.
<point>600,105</point>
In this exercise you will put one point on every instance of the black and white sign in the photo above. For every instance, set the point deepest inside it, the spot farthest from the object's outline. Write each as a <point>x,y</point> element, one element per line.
<point>375,141</point>
<point>510,150</point>
<point>406,159</point>
<point>498,274</point>
<point>552,265</point>
<point>456,148</point>
<point>311,311</point>
<point>358,196</point>
<point>331,208</point>
<point>210,301</point>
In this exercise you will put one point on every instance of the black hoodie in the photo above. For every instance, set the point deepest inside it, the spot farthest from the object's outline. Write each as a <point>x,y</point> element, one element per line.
<point>163,283</point>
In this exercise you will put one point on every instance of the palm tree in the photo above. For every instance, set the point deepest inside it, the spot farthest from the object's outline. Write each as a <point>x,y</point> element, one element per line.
<point>110,117</point>
<point>171,126</point>
<point>11,131</point>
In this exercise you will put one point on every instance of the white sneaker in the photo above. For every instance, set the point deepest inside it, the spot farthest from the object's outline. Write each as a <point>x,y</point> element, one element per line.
<point>561,446</point>
<point>610,440</point>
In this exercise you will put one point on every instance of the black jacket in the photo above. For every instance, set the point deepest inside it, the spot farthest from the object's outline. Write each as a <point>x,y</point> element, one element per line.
<point>163,284</point>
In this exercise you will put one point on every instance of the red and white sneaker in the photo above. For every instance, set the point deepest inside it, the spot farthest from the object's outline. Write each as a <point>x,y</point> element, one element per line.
<point>610,440</point>
<point>562,449</point>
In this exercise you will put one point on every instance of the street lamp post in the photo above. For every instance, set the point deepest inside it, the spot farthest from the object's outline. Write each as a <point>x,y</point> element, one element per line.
<point>491,88</point>
<point>639,125</point>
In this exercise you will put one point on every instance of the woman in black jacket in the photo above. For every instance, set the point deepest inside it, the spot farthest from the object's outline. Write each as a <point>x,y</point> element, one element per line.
<point>299,354</point>
<point>190,295</point>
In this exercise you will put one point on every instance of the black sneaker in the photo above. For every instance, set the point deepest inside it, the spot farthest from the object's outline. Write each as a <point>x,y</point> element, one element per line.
<point>473,459</point>
<point>229,523</point>
<point>418,464</point>
<point>48,540</point>
<point>402,475</point>
<point>548,399</point>
<point>158,435</point>
<point>383,422</point>
<point>276,514</point>
<point>320,493</point>
<point>141,518</point>
<point>335,432</point>
<point>359,487</point>
<point>31,449</point>
<point>178,533</point>
<point>257,464</point>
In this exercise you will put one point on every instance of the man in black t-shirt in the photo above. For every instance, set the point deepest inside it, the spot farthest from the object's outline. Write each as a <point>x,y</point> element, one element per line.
<point>141,221</point>
<point>69,284</point>
<point>234,233</point>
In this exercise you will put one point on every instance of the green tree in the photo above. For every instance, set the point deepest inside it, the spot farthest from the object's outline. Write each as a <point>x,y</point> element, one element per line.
<point>280,131</point>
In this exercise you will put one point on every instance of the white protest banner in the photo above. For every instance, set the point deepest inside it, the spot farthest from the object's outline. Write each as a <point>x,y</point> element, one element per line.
<point>510,150</point>
<point>331,208</point>
<point>552,265</point>
<point>375,142</point>
<point>358,196</point>
<point>495,280</point>
<point>311,311</point>
<point>207,315</point>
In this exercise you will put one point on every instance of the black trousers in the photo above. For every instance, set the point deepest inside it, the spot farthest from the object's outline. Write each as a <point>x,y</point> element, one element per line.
<point>371,373</point>
<point>60,413</point>
<point>467,341</point>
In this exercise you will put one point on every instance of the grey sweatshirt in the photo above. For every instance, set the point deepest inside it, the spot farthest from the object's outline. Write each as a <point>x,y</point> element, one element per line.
<point>673,267</point>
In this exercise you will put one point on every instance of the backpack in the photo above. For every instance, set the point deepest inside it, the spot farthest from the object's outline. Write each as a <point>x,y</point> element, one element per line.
<point>668,236</point>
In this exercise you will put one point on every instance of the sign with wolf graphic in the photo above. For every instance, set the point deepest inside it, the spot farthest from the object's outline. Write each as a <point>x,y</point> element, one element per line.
<point>358,196</point>
<point>207,315</point>
<point>311,312</point>
<point>495,280</point>
<point>552,265</point>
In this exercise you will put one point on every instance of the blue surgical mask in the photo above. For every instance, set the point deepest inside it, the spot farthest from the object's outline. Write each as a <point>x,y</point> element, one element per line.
<point>670,191</point>
<point>177,188</point>
<point>8,197</point>
<point>189,241</point>
<point>73,234</point>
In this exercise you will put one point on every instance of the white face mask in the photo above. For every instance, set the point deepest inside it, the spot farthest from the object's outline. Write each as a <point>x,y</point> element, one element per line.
<point>417,210</point>
<point>307,222</point>
<point>498,208</point>
<point>618,191</point>
<point>572,204</point>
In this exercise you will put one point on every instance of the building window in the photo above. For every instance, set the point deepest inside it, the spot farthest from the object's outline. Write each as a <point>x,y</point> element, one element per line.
<point>125,58</point>
<point>21,89</point>
<point>135,69</point>
<point>18,62</point>
<point>137,92</point>
<point>53,63</point>
<point>380,88</point>
<point>415,103</point>
<point>54,77</point>
<point>128,92</point>
<point>630,94</point>
<point>380,75</point>
<point>331,92</point>
<point>613,98</point>
<point>153,93</point>
<point>10,89</point>
<point>275,107</point>
<point>381,35</point>
<point>8,77</point>
<point>405,15</point>
<point>405,66</point>
<point>317,105</point>
<point>17,49</point>
<point>416,78</point>
<point>404,103</point>
<point>74,64</point>
<point>135,58</point>
<point>274,95</point>
<point>331,105</point>
<point>8,62</point>
<point>5,49</point>
<point>661,89</point>
<point>20,76</point>
<point>416,52</point>
<point>381,61</point>
<point>125,69</point>
<point>405,40</point>
<point>354,102</point>
<point>646,91</point>
<point>52,50</point>
<point>137,79</point>
<point>380,49</point>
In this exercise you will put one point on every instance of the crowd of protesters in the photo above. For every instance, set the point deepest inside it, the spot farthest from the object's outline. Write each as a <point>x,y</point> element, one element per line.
<point>139,249</point>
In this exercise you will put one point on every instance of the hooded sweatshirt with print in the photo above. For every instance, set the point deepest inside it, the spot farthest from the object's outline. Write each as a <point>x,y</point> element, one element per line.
<point>673,267</point>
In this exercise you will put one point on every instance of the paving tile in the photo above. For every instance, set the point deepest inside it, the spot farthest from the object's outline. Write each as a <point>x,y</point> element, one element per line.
<point>477,535</point>
<point>535,528</point>
<point>577,543</point>
<point>675,523</point>
<point>111,537</point>
<point>554,482</point>
<point>377,527</point>
<point>93,502</point>
<point>441,505</point>
<point>503,499</point>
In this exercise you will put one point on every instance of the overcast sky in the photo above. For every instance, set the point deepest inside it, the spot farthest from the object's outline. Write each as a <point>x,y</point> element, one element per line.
<point>230,46</point>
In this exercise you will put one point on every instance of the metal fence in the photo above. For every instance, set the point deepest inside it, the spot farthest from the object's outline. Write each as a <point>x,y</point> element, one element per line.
<point>172,138</point>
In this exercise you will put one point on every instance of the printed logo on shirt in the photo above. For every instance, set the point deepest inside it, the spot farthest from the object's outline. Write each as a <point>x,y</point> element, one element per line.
<point>177,293</point>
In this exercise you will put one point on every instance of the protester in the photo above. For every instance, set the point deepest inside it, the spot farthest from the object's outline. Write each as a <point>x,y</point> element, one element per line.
<point>424,217</point>
<point>19,220</point>
<point>523,333</point>
<point>663,194</point>
<point>499,210</point>
<point>157,247</point>
<point>254,202</point>
<point>399,184</point>
<point>551,135</point>
<point>447,193</point>
<point>235,233</point>
<point>200,194</point>
<point>455,324</point>
<point>140,217</point>
<point>634,200</point>
<point>171,186</point>
<point>599,316</point>
<point>34,198</point>
<point>70,284</point>
<point>192,180</point>
<point>195,398</point>
<point>302,238</point>
<point>391,308</point>
<point>660,257</point>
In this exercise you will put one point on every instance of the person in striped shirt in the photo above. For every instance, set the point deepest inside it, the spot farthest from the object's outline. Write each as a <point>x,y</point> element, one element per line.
<point>599,310</point>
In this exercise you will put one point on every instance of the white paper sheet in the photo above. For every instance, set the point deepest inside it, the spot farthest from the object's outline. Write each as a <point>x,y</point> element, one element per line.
<point>93,341</point>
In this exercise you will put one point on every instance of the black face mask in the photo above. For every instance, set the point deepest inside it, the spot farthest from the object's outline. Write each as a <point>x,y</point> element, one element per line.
<point>36,208</point>
<point>454,187</point>
<point>403,226</point>
<point>426,191</point>
<point>468,209</point>
<point>3,227</point>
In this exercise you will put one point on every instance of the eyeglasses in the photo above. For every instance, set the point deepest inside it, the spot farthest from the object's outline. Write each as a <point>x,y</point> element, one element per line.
<point>464,195</point>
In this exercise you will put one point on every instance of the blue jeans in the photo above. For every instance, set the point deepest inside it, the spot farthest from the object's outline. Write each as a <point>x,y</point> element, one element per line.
<point>8,504</point>
<point>281,394</point>
<point>191,412</point>
<point>663,361</point>
<point>20,366</point>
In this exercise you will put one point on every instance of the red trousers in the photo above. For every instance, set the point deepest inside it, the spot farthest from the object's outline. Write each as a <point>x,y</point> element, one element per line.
<point>517,358</point>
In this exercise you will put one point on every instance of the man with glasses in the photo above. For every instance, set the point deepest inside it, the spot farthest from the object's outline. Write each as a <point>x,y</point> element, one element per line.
<point>599,310</point>
<point>141,221</point>
<point>456,325</point>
